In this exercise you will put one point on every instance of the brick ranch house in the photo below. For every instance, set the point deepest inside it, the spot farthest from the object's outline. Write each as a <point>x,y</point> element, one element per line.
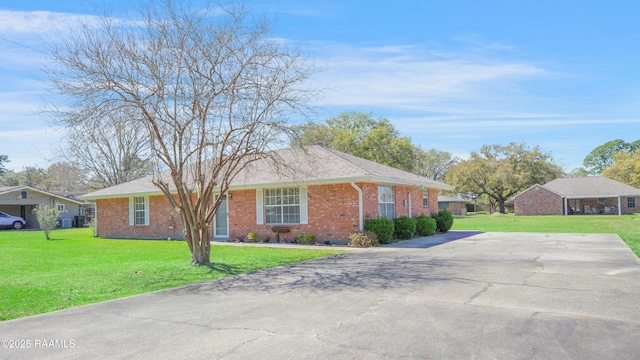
<point>578,196</point>
<point>320,191</point>
<point>457,206</point>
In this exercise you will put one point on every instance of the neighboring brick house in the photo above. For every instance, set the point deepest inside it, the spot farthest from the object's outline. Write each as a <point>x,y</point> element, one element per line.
<point>576,196</point>
<point>318,190</point>
<point>457,206</point>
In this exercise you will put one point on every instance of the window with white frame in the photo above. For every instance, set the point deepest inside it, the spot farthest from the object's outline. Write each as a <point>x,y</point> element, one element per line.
<point>282,206</point>
<point>140,211</point>
<point>425,197</point>
<point>61,208</point>
<point>386,202</point>
<point>631,202</point>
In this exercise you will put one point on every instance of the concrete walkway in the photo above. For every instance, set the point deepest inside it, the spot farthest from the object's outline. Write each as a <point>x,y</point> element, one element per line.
<point>493,295</point>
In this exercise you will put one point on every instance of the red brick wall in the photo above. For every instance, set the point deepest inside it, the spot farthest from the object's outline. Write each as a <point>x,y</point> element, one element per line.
<point>433,203</point>
<point>113,220</point>
<point>370,199</point>
<point>457,208</point>
<point>401,195</point>
<point>626,210</point>
<point>332,212</point>
<point>417,207</point>
<point>538,201</point>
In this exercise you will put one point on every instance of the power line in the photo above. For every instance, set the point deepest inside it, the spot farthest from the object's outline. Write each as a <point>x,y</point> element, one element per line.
<point>23,45</point>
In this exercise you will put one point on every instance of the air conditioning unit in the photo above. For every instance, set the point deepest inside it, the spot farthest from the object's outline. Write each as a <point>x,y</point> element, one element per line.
<point>66,223</point>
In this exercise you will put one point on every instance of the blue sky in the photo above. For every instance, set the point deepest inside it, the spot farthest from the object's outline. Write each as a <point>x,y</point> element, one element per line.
<point>452,75</point>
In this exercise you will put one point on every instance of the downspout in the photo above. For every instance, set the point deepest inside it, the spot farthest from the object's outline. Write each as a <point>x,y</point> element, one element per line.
<point>95,220</point>
<point>409,195</point>
<point>360,205</point>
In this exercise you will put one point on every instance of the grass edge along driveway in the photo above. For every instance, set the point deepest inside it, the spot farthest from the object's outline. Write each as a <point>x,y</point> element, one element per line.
<point>74,268</point>
<point>626,226</point>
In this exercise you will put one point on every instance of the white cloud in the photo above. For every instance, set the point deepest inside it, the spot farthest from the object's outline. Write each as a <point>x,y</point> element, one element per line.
<point>39,22</point>
<point>410,77</point>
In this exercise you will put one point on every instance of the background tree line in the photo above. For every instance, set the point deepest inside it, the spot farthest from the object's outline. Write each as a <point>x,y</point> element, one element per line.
<point>378,140</point>
<point>114,153</point>
<point>615,159</point>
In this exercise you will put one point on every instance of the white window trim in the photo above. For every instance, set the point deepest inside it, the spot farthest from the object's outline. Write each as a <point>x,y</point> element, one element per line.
<point>425,196</point>
<point>61,208</point>
<point>303,206</point>
<point>132,211</point>
<point>634,202</point>
<point>393,192</point>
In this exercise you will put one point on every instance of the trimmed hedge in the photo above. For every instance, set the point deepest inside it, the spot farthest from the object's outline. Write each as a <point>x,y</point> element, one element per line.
<point>425,225</point>
<point>444,220</point>
<point>405,227</point>
<point>382,227</point>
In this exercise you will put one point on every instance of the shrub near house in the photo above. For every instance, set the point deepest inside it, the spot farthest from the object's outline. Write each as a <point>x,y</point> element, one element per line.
<point>444,220</point>
<point>405,227</point>
<point>425,225</point>
<point>382,227</point>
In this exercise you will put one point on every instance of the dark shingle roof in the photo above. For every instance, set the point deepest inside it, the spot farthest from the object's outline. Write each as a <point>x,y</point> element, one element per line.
<point>591,186</point>
<point>442,198</point>
<point>311,165</point>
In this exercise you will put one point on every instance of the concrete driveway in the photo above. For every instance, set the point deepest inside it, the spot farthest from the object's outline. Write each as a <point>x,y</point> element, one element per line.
<point>485,296</point>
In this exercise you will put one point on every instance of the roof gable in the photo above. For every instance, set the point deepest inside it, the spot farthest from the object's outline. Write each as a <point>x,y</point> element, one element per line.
<point>531,187</point>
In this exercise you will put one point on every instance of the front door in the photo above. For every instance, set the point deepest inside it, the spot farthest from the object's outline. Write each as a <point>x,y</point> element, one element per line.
<point>221,219</point>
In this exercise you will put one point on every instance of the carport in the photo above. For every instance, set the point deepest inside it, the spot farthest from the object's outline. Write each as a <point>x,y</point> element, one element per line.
<point>22,200</point>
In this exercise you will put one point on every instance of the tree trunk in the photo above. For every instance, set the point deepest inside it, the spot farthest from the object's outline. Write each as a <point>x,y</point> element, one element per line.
<point>501,205</point>
<point>200,247</point>
<point>197,237</point>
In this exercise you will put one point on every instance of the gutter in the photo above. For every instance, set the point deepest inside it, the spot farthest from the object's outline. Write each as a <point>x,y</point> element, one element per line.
<point>360,205</point>
<point>152,190</point>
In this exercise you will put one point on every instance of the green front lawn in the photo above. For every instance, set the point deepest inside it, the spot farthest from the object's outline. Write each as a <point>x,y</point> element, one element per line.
<point>75,268</point>
<point>626,226</point>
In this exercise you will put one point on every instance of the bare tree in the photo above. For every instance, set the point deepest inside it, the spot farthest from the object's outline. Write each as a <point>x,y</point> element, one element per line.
<point>212,89</point>
<point>65,177</point>
<point>110,144</point>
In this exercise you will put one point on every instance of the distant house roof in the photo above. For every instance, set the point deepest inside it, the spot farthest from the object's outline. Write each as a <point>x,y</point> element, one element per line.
<point>442,198</point>
<point>588,187</point>
<point>9,189</point>
<point>591,186</point>
<point>308,165</point>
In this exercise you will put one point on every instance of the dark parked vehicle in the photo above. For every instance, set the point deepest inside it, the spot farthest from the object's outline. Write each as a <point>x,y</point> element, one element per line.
<point>12,222</point>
